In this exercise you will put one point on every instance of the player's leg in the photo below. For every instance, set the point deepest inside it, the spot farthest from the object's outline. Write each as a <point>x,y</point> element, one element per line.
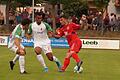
<point>53,58</point>
<point>19,56</point>
<point>22,54</point>
<point>66,61</point>
<point>40,58</point>
<point>68,56</point>
<point>48,51</point>
<point>13,48</point>
<point>15,58</point>
<point>12,62</point>
<point>75,48</point>
<point>77,59</point>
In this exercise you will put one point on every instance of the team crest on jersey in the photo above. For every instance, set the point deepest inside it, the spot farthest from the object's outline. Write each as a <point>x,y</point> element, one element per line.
<point>19,33</point>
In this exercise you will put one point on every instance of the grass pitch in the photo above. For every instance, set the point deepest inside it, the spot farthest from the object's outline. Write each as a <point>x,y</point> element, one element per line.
<point>98,65</point>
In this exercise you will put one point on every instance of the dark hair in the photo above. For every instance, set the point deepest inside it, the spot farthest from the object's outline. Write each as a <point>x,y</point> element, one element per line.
<point>40,14</point>
<point>25,21</point>
<point>64,16</point>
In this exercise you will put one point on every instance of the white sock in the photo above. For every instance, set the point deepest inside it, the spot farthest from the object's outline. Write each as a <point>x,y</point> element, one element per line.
<point>15,58</point>
<point>57,62</point>
<point>22,63</point>
<point>41,60</point>
<point>55,59</point>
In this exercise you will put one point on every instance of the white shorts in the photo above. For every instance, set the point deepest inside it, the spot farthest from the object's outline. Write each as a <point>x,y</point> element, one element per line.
<point>45,48</point>
<point>14,48</point>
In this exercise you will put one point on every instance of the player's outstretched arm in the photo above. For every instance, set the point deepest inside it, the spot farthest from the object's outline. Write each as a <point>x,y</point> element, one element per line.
<point>56,36</point>
<point>50,34</point>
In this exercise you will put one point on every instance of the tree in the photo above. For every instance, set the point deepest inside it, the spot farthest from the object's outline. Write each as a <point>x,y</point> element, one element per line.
<point>70,7</point>
<point>53,3</point>
<point>24,2</point>
<point>75,7</point>
<point>101,4</point>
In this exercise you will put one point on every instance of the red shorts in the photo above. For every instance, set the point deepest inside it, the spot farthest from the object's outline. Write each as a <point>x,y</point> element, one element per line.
<point>75,45</point>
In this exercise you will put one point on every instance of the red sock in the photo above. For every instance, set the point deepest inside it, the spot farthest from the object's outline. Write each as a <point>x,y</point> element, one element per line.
<point>66,63</point>
<point>75,56</point>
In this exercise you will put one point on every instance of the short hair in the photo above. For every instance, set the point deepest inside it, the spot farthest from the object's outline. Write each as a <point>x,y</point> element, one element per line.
<point>25,21</point>
<point>40,14</point>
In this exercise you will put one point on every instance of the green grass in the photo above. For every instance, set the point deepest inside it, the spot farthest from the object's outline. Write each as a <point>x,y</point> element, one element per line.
<point>98,65</point>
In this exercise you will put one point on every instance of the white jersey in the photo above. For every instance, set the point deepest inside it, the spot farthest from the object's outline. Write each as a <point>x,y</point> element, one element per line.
<point>39,32</point>
<point>18,32</point>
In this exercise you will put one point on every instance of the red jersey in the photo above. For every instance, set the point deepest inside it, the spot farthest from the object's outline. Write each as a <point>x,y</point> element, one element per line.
<point>69,31</point>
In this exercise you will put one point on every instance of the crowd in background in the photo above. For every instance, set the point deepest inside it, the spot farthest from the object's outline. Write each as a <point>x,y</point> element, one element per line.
<point>96,21</point>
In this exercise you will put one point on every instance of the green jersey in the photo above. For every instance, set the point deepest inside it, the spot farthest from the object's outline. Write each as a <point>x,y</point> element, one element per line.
<point>18,32</point>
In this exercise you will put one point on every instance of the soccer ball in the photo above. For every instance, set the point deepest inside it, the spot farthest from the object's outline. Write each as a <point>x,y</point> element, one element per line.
<point>76,67</point>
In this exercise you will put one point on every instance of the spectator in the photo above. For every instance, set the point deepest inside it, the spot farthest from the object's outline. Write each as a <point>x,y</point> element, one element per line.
<point>1,18</point>
<point>11,18</point>
<point>112,21</point>
<point>74,19</point>
<point>99,21</point>
<point>25,14</point>
<point>18,18</point>
<point>94,23</point>
<point>106,21</point>
<point>118,24</point>
<point>83,22</point>
<point>89,18</point>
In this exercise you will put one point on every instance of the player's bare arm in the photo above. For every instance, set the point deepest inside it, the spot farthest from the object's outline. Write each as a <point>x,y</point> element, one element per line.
<point>17,43</point>
<point>56,36</point>
<point>50,34</point>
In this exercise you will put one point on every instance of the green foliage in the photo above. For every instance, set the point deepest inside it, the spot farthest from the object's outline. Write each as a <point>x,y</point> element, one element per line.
<point>106,1</point>
<point>72,7</point>
<point>53,1</point>
<point>24,2</point>
<point>75,7</point>
<point>101,2</point>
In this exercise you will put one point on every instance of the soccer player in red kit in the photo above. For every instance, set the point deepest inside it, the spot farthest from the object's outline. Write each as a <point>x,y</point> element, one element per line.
<point>69,31</point>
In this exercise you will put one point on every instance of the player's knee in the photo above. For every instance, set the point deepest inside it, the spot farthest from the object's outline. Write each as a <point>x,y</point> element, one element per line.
<point>37,50</point>
<point>68,55</point>
<point>22,52</point>
<point>50,58</point>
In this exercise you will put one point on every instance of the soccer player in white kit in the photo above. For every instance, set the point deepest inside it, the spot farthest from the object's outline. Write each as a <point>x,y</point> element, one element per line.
<point>40,31</point>
<point>16,46</point>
